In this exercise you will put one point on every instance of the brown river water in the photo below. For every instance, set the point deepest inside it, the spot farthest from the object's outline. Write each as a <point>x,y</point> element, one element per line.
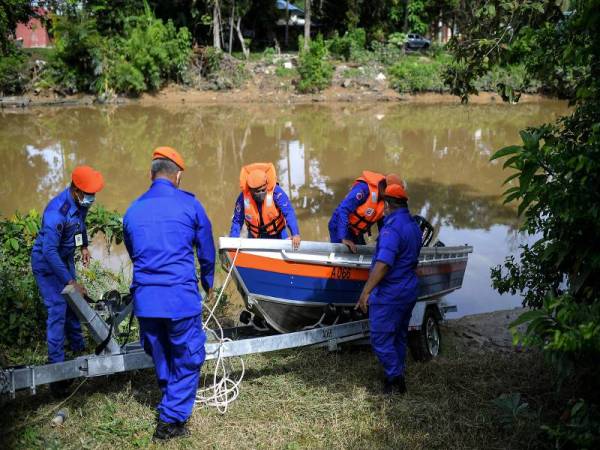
<point>441,150</point>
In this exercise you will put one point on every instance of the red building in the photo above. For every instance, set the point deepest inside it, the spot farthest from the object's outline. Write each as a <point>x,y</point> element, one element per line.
<point>33,33</point>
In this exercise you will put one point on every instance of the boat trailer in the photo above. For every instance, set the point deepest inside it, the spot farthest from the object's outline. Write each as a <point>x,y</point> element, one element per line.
<point>111,358</point>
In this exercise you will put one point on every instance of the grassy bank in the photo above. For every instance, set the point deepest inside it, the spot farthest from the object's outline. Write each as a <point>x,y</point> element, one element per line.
<point>312,399</point>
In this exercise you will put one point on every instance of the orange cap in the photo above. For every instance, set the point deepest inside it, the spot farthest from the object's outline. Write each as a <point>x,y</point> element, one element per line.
<point>396,191</point>
<point>87,179</point>
<point>257,178</point>
<point>392,178</point>
<point>169,153</point>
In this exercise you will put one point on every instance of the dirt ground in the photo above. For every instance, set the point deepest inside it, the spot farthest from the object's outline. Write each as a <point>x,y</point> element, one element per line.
<point>488,332</point>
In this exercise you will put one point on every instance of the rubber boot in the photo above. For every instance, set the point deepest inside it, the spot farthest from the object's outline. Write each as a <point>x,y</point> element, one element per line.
<point>165,431</point>
<point>396,385</point>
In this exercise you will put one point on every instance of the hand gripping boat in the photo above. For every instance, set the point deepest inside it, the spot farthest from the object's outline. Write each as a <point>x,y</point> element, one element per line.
<point>320,283</point>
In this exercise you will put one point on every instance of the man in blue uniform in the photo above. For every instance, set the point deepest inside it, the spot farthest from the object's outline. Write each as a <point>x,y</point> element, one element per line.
<point>391,290</point>
<point>52,260</point>
<point>161,230</point>
<point>360,210</point>
<point>263,206</point>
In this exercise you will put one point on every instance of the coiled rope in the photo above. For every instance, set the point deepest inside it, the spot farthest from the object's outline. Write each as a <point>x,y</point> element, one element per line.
<point>224,389</point>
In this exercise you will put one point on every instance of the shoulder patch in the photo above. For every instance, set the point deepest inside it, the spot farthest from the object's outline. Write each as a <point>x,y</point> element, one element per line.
<point>359,196</point>
<point>64,209</point>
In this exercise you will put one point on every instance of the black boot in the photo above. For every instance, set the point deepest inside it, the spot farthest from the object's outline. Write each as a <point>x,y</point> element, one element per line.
<point>396,385</point>
<point>165,430</point>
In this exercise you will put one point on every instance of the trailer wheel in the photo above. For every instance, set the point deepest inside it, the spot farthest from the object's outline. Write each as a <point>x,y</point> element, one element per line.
<point>426,343</point>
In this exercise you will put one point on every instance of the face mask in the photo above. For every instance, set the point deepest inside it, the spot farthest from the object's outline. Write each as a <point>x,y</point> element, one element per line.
<point>87,200</point>
<point>259,196</point>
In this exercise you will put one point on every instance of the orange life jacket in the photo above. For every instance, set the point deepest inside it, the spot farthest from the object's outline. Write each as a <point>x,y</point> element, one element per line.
<point>270,222</point>
<point>371,211</point>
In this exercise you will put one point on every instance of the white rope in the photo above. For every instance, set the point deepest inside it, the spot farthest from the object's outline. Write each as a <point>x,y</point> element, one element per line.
<point>224,389</point>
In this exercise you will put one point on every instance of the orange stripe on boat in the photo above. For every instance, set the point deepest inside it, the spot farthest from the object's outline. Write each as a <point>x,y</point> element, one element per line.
<point>301,269</point>
<point>266,264</point>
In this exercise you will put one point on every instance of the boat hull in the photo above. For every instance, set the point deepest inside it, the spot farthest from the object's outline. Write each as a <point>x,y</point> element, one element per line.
<point>293,290</point>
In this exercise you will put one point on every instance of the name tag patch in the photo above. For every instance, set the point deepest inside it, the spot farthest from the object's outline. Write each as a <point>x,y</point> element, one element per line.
<point>78,240</point>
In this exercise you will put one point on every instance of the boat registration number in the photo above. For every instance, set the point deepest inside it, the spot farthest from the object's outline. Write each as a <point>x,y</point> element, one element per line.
<point>340,273</point>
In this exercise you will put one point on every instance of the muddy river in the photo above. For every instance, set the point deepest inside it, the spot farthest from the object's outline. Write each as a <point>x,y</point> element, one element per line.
<point>441,150</point>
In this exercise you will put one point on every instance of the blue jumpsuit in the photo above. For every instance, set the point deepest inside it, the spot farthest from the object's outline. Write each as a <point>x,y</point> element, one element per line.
<point>283,204</point>
<point>161,229</point>
<point>53,266</point>
<point>392,301</point>
<point>338,224</point>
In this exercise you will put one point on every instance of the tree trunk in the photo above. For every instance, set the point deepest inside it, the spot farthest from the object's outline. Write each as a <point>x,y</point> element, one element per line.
<point>238,28</point>
<point>287,23</point>
<point>306,23</point>
<point>216,24</point>
<point>231,26</point>
<point>405,25</point>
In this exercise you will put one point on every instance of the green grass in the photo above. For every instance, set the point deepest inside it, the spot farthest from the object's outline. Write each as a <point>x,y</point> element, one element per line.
<point>308,398</point>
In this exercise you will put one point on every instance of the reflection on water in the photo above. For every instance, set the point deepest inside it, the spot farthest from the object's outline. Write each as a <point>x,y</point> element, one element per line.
<point>441,150</point>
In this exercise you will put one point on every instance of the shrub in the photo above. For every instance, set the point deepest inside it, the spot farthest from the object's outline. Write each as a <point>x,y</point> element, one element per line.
<point>349,46</point>
<point>148,53</point>
<point>314,69</point>
<point>269,55</point>
<point>387,54</point>
<point>21,309</point>
<point>509,81</point>
<point>412,75</point>
<point>13,78</point>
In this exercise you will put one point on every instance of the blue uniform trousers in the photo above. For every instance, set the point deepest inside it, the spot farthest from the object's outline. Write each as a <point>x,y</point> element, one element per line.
<point>177,349</point>
<point>61,321</point>
<point>389,335</point>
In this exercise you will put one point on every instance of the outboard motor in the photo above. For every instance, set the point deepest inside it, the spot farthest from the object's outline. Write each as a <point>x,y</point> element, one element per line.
<point>426,229</point>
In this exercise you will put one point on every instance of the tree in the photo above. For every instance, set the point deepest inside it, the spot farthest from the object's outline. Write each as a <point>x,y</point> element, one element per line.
<point>306,24</point>
<point>556,179</point>
<point>216,24</point>
<point>11,13</point>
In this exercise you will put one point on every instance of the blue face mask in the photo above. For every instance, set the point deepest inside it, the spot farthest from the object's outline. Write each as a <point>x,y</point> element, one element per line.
<point>87,200</point>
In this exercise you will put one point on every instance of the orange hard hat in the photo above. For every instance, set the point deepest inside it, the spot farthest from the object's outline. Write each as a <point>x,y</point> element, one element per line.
<point>392,178</point>
<point>168,153</point>
<point>87,179</point>
<point>256,179</point>
<point>396,191</point>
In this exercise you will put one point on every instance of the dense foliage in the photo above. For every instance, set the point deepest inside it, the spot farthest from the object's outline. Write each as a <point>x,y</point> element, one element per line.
<point>555,180</point>
<point>147,53</point>
<point>11,13</point>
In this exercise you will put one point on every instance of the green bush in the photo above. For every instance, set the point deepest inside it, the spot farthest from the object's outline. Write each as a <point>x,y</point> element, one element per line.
<point>13,78</point>
<point>22,313</point>
<point>314,68</point>
<point>349,46</point>
<point>387,54</point>
<point>158,51</point>
<point>509,81</point>
<point>148,53</point>
<point>268,55</point>
<point>415,74</point>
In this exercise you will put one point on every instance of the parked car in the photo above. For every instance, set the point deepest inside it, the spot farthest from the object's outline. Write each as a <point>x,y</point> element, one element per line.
<point>417,42</point>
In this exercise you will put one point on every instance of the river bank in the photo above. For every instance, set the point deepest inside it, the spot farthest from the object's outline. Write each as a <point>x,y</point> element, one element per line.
<point>176,94</point>
<point>310,398</point>
<point>275,81</point>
